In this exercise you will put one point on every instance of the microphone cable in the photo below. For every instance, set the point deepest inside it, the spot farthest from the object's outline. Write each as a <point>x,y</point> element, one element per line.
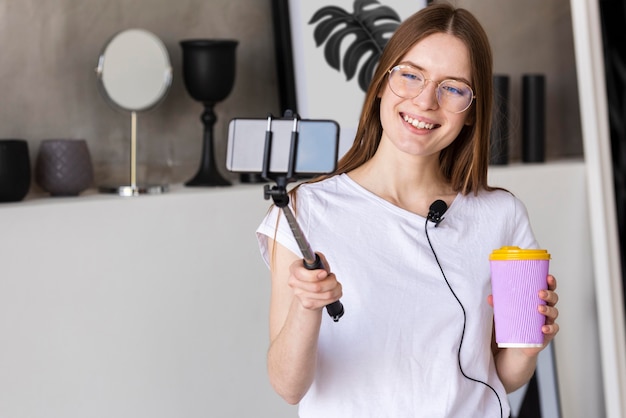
<point>439,219</point>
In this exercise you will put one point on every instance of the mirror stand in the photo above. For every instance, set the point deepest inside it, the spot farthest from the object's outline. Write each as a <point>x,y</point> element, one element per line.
<point>133,189</point>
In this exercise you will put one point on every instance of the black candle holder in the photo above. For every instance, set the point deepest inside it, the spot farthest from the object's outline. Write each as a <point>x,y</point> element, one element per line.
<point>209,76</point>
<point>15,170</point>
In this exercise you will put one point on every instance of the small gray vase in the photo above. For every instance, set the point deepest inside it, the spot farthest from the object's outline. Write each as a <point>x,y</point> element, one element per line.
<point>64,167</point>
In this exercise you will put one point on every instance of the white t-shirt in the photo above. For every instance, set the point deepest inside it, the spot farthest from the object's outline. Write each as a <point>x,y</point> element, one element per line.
<point>394,352</point>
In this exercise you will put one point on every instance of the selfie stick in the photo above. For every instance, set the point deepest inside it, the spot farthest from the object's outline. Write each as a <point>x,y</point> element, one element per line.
<point>279,195</point>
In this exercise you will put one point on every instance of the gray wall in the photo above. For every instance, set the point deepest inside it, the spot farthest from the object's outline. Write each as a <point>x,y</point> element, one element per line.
<point>535,36</point>
<point>49,86</point>
<point>50,50</point>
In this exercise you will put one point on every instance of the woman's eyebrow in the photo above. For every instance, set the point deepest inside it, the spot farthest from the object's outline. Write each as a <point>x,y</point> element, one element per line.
<point>451,77</point>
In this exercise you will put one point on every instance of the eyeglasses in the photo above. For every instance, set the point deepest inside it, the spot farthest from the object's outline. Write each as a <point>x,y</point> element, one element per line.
<point>408,82</point>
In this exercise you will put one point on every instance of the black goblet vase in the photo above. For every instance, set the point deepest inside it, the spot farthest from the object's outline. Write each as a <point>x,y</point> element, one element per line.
<point>209,76</point>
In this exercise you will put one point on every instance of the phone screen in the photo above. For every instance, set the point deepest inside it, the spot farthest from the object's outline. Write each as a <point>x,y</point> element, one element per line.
<point>318,145</point>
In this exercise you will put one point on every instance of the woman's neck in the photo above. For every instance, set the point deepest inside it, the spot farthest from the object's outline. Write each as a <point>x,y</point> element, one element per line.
<point>410,182</point>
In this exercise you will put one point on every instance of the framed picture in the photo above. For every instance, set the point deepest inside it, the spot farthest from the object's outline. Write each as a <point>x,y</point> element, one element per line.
<point>327,52</point>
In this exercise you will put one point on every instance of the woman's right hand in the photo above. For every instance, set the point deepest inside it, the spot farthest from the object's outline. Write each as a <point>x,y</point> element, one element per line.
<point>298,297</point>
<point>314,289</point>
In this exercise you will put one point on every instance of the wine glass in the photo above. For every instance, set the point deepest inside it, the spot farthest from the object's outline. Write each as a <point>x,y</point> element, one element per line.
<point>209,76</point>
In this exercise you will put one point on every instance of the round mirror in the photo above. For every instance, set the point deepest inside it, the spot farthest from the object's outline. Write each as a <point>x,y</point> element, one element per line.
<point>134,70</point>
<point>134,74</point>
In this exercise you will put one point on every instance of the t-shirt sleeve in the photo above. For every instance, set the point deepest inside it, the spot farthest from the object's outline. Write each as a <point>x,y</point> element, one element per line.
<point>275,226</point>
<point>523,234</point>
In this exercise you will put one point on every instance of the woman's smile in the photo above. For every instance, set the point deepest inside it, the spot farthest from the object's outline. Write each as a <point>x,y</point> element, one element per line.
<point>417,123</point>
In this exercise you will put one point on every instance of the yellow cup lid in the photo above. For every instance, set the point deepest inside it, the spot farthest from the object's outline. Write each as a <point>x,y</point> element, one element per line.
<point>517,253</point>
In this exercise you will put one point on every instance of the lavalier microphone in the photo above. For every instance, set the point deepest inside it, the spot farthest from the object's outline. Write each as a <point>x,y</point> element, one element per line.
<point>436,211</point>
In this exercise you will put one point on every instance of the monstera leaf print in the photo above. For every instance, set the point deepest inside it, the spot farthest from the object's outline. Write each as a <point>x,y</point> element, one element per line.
<point>370,29</point>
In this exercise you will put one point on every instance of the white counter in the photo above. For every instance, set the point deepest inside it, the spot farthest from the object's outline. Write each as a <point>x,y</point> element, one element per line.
<point>146,307</point>
<point>156,306</point>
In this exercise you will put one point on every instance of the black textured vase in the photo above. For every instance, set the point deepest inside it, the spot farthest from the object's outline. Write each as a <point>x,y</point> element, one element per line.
<point>499,138</point>
<point>209,76</point>
<point>14,170</point>
<point>533,118</point>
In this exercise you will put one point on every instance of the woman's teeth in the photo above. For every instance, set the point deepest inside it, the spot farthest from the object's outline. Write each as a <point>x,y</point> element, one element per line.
<point>418,123</point>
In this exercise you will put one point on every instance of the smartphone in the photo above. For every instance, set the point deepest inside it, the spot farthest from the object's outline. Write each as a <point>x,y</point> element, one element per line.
<point>317,146</point>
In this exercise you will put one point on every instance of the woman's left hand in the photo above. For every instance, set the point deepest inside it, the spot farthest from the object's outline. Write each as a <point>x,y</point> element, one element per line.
<point>551,312</point>
<point>515,366</point>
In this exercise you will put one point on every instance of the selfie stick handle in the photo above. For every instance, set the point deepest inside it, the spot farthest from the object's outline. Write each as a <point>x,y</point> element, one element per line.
<point>311,261</point>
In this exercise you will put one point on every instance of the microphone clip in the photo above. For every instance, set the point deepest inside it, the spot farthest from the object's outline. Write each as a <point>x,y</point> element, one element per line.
<point>436,211</point>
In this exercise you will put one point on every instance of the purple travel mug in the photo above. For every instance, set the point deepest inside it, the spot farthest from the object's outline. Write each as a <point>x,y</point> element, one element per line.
<point>517,276</point>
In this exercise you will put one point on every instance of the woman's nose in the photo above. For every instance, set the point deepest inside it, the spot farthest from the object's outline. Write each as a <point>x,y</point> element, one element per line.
<point>427,99</point>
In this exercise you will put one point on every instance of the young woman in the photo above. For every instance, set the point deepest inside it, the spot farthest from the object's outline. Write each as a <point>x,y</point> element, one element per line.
<point>416,339</point>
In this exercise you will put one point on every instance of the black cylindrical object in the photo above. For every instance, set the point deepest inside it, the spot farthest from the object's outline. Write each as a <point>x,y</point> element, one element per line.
<point>533,118</point>
<point>499,138</point>
<point>14,170</point>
